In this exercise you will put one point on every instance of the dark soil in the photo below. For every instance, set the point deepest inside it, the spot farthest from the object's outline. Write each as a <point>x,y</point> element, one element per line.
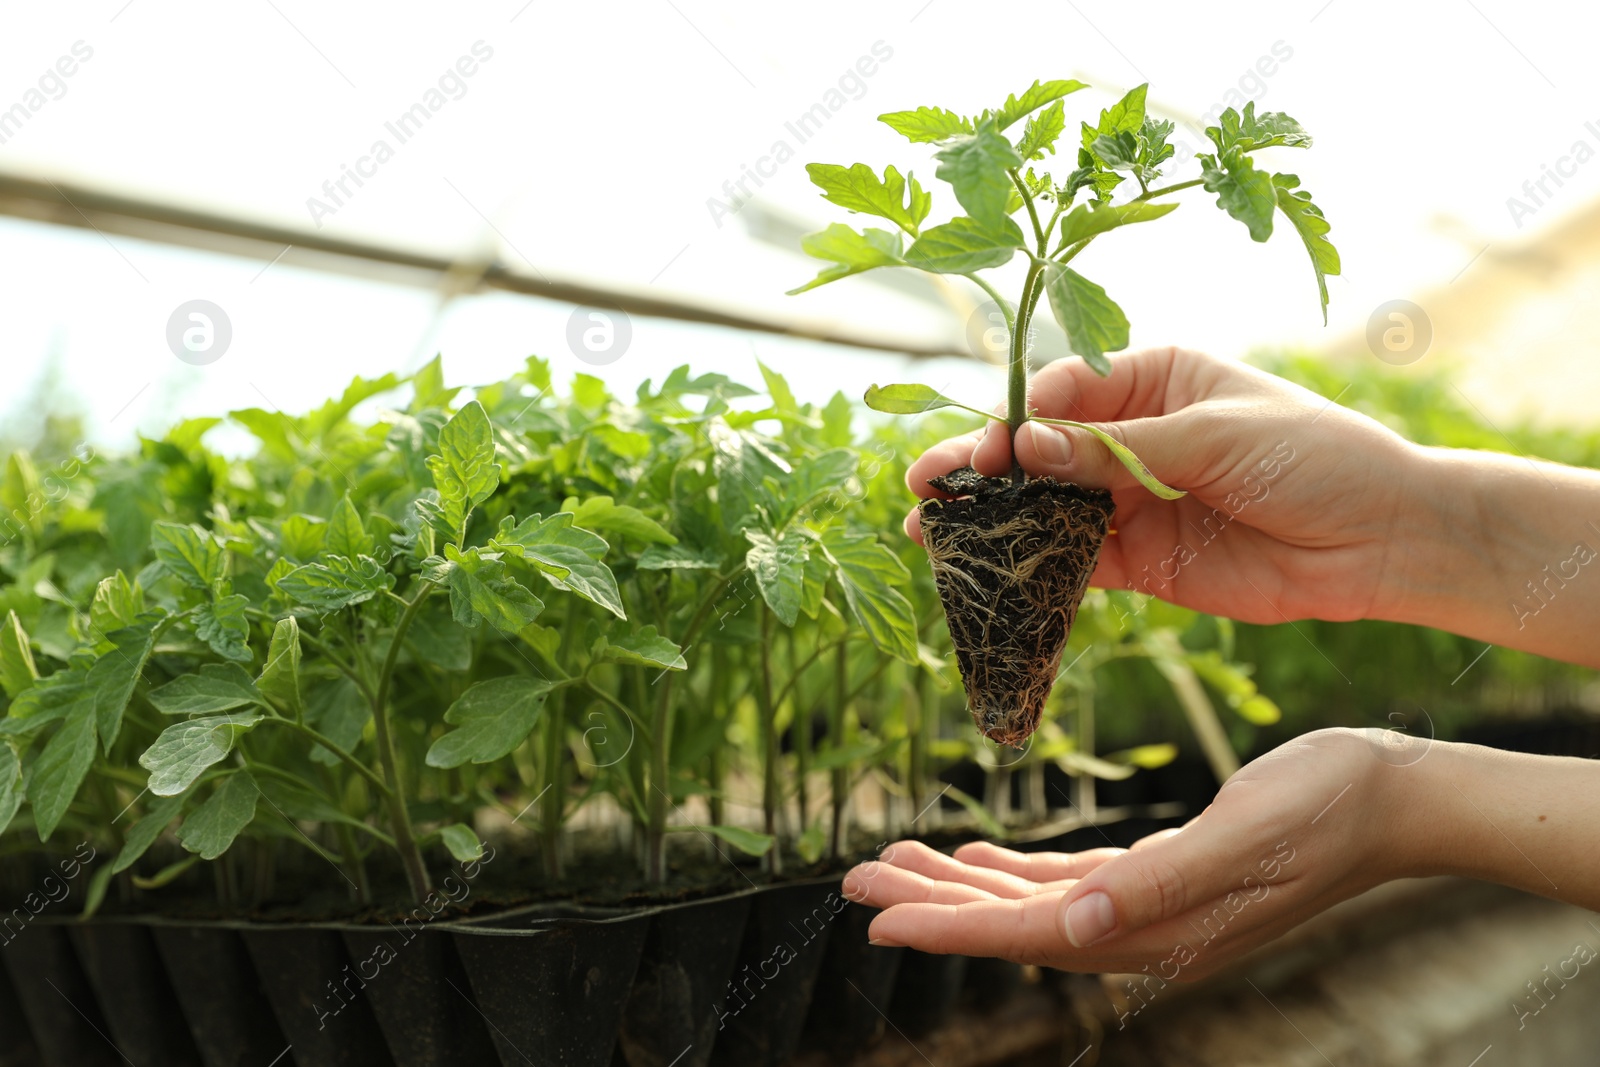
<point>1012,561</point>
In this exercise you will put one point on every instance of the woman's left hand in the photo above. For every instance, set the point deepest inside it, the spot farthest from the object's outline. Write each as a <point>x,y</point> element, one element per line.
<point>1314,822</point>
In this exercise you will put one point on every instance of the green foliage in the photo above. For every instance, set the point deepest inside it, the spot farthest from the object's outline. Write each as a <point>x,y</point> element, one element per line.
<point>491,719</point>
<point>984,169</point>
<point>294,617</point>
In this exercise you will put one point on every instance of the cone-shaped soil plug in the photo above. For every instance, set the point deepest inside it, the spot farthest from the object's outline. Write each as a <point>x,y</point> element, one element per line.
<point>1012,561</point>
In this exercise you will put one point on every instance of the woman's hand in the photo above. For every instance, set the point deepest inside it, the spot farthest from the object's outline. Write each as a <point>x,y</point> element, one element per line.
<point>1299,508</point>
<point>1300,829</point>
<point>1293,501</point>
<point>1311,823</point>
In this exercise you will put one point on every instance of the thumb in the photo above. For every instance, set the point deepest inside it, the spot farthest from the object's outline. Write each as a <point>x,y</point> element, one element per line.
<point>1160,881</point>
<point>1070,454</point>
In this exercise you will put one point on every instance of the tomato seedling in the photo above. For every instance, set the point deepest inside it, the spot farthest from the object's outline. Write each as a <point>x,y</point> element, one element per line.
<point>1013,556</point>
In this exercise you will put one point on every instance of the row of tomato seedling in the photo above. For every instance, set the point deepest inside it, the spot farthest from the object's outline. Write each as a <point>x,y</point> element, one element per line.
<point>383,630</point>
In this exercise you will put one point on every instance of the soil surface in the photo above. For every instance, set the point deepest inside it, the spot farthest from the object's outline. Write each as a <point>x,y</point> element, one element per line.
<point>1012,561</point>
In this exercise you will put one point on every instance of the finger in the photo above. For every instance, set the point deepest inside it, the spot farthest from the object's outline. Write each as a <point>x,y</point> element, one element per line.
<point>1069,454</point>
<point>950,454</point>
<point>1141,384</point>
<point>1035,866</point>
<point>913,525</point>
<point>1160,881</point>
<point>992,455</point>
<point>1023,930</point>
<point>883,885</point>
<point>915,856</point>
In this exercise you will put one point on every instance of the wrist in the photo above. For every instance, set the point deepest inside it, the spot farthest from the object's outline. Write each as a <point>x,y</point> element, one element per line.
<point>1429,834</point>
<point>1436,559</point>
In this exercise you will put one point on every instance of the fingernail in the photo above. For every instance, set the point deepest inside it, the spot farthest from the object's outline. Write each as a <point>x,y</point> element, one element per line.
<point>1088,919</point>
<point>884,942</point>
<point>852,887</point>
<point>988,428</point>
<point>1055,448</point>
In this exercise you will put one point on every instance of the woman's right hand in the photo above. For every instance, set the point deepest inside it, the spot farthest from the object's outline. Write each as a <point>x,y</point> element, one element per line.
<point>1295,506</point>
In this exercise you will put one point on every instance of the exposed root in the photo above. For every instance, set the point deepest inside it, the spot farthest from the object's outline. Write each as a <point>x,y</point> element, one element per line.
<point>1012,562</point>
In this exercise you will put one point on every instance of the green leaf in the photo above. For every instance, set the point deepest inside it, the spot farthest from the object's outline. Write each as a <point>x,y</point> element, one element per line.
<point>747,841</point>
<point>95,896</point>
<point>678,557</point>
<point>813,842</point>
<point>190,554</point>
<point>301,802</point>
<point>1125,456</point>
<point>976,166</point>
<point>1036,96</point>
<point>1308,222</point>
<point>567,555</point>
<point>1096,217</point>
<point>462,842</point>
<point>643,648</point>
<point>783,400</point>
<point>337,584</point>
<point>428,388</point>
<point>1094,324</point>
<point>438,641</point>
<point>211,828</point>
<point>280,678</point>
<point>481,588</point>
<point>17,671</point>
<point>1125,116</point>
<point>963,245</point>
<point>1259,710</point>
<point>1148,757</point>
<point>10,784</point>
<point>464,470</point>
<point>117,603</point>
<point>1040,134</point>
<point>340,713</point>
<point>222,625</point>
<point>301,537</point>
<point>910,400</point>
<point>275,430</point>
<point>818,570</point>
<point>492,717</point>
<point>112,678</point>
<point>743,463</point>
<point>778,567</point>
<point>1249,131</point>
<point>850,252</point>
<point>183,751</point>
<point>868,572</point>
<point>544,640</point>
<point>50,700</point>
<point>144,833</point>
<point>856,188</point>
<point>166,875</point>
<point>814,476</point>
<point>1092,175</point>
<point>604,515</point>
<point>1081,763</point>
<point>217,687</point>
<point>60,768</point>
<point>346,535</point>
<point>1242,191</point>
<point>926,125</point>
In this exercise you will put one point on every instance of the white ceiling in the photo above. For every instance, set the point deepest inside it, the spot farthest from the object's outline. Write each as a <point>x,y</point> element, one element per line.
<point>589,144</point>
